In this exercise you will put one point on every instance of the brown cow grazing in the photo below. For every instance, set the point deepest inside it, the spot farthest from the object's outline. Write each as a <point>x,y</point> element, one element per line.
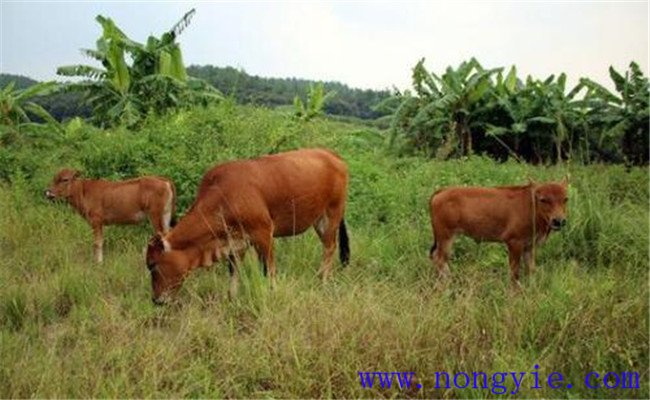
<point>520,216</point>
<point>103,202</point>
<point>249,202</point>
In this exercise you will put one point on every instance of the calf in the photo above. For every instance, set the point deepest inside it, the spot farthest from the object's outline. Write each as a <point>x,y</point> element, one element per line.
<point>249,202</point>
<point>519,216</point>
<point>103,202</point>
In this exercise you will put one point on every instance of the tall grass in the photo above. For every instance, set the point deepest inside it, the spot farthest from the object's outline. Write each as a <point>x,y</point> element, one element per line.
<point>70,328</point>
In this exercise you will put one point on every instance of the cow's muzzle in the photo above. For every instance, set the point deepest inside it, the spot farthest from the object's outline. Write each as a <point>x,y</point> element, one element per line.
<point>558,223</point>
<point>49,195</point>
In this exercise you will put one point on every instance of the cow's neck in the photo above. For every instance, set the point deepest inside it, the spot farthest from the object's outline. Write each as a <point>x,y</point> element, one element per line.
<point>541,227</point>
<point>195,229</point>
<point>77,199</point>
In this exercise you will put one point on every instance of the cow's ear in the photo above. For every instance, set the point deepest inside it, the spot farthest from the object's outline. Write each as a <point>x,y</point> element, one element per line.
<point>158,242</point>
<point>155,246</point>
<point>75,174</point>
<point>565,180</point>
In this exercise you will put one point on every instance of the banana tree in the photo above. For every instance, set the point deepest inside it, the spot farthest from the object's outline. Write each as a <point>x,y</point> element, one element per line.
<point>16,106</point>
<point>156,80</point>
<point>316,99</point>
<point>445,104</point>
<point>538,112</point>
<point>621,119</point>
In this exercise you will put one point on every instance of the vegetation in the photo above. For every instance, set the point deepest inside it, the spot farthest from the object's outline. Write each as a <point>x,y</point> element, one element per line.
<point>15,104</point>
<point>471,108</point>
<point>313,107</point>
<point>70,328</point>
<point>247,89</point>
<point>64,321</point>
<point>156,80</point>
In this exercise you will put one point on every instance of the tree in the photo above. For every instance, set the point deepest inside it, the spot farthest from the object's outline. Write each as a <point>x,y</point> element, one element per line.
<point>539,112</point>
<point>316,99</point>
<point>624,118</point>
<point>444,104</point>
<point>16,106</point>
<point>155,80</point>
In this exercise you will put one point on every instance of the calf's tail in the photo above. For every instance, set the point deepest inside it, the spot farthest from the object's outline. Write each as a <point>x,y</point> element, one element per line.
<point>344,244</point>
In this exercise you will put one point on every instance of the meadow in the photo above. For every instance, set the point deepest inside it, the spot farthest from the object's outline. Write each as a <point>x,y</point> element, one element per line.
<point>71,328</point>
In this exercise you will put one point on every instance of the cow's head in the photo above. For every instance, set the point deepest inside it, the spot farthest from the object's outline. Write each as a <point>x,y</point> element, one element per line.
<point>168,268</point>
<point>551,203</point>
<point>62,184</point>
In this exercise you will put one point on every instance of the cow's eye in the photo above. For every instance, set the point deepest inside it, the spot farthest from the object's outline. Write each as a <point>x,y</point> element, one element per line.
<point>64,180</point>
<point>566,199</point>
<point>544,200</point>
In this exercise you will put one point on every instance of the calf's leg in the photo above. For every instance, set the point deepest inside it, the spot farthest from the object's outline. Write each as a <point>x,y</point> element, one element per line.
<point>98,235</point>
<point>440,252</point>
<point>529,259</point>
<point>515,250</point>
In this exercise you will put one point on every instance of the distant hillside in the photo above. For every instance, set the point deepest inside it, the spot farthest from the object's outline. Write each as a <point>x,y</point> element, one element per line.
<point>21,82</point>
<point>246,88</point>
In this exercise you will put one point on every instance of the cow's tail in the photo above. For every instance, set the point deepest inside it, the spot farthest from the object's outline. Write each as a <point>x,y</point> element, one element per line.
<point>173,220</point>
<point>344,244</point>
<point>434,245</point>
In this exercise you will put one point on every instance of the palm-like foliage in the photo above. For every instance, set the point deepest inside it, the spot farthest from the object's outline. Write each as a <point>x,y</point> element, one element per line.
<point>540,113</point>
<point>155,81</point>
<point>16,106</point>
<point>534,120</point>
<point>623,117</point>
<point>316,99</point>
<point>444,104</point>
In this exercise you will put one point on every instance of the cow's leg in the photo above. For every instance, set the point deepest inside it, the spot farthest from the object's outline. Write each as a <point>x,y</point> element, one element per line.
<point>529,259</point>
<point>440,255</point>
<point>515,250</point>
<point>326,227</point>
<point>98,234</point>
<point>262,240</point>
<point>157,218</point>
<point>233,266</point>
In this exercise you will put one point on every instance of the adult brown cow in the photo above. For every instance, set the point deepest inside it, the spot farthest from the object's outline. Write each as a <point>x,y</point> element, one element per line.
<point>103,202</point>
<point>249,202</point>
<point>520,216</point>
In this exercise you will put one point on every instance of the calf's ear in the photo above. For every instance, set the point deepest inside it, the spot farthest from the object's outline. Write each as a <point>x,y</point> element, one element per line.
<point>565,180</point>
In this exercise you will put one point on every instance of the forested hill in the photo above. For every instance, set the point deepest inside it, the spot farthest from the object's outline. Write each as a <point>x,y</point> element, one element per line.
<point>243,87</point>
<point>20,82</point>
<point>281,91</point>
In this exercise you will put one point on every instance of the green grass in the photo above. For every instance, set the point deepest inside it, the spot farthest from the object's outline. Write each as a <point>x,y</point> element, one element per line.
<point>70,328</point>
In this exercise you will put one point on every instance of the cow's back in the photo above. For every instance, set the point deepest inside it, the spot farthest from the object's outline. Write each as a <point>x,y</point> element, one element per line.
<point>291,188</point>
<point>126,201</point>
<point>482,213</point>
<point>289,191</point>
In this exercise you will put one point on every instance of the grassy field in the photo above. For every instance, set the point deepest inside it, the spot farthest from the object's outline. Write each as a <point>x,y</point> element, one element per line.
<point>70,328</point>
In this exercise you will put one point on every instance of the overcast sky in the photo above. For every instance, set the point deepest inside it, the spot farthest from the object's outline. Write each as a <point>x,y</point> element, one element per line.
<point>363,44</point>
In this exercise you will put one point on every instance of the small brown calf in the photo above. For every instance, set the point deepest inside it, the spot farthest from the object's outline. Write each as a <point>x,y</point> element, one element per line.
<point>103,202</point>
<point>519,216</point>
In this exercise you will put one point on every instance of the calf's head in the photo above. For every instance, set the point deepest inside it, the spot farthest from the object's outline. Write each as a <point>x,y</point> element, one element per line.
<point>168,268</point>
<point>551,203</point>
<point>61,186</point>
